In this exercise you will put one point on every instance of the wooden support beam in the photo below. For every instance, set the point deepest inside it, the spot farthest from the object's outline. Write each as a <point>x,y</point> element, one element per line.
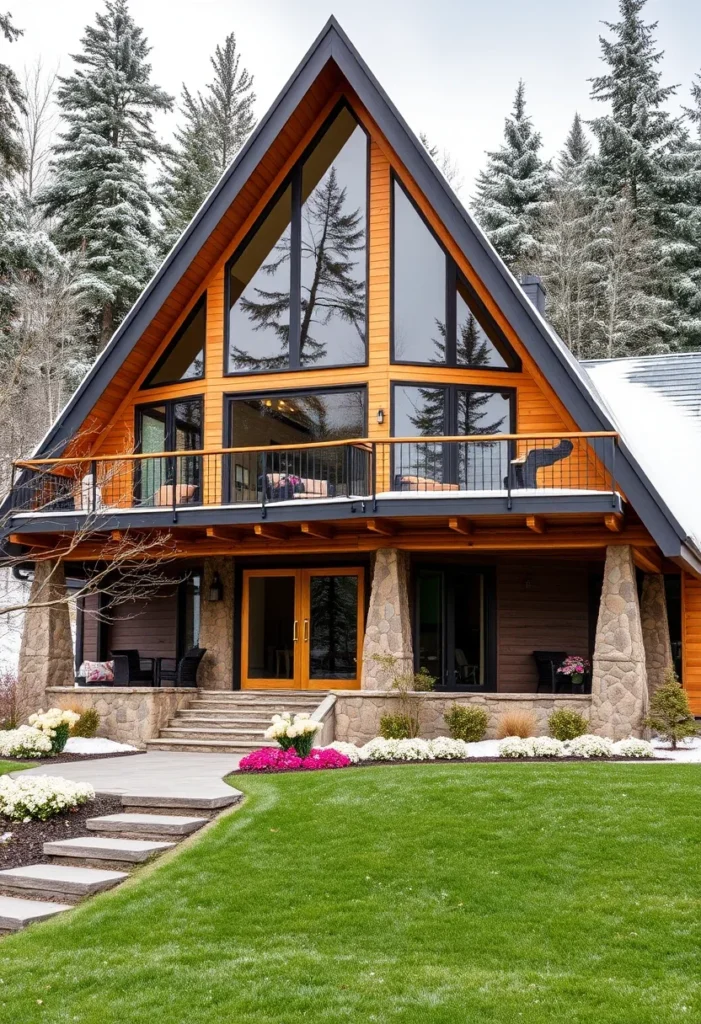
<point>459,524</point>
<point>648,560</point>
<point>385,529</point>
<point>614,522</point>
<point>224,533</point>
<point>45,541</point>
<point>537,524</point>
<point>321,530</point>
<point>270,531</point>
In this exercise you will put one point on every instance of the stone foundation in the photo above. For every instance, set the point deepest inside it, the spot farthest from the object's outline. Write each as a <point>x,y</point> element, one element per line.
<point>619,680</point>
<point>217,627</point>
<point>388,627</point>
<point>46,653</point>
<point>358,714</point>
<point>128,714</point>
<point>655,626</point>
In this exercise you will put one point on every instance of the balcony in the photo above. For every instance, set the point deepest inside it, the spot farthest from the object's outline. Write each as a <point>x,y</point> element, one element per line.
<point>407,476</point>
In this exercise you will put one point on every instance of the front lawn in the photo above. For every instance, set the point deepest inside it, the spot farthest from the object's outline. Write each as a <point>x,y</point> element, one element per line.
<point>14,766</point>
<point>429,894</point>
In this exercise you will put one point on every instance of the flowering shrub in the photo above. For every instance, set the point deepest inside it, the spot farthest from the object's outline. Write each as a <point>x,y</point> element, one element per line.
<point>634,748</point>
<point>41,796</point>
<point>444,748</point>
<point>274,759</point>
<point>349,750</point>
<point>379,749</point>
<point>56,724</point>
<point>547,746</point>
<point>516,746</point>
<point>574,666</point>
<point>24,742</point>
<point>297,732</point>
<point>590,746</point>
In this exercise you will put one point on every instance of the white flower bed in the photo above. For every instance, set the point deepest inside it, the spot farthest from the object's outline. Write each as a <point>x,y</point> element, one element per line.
<point>49,721</point>
<point>24,742</point>
<point>284,726</point>
<point>348,749</point>
<point>634,748</point>
<point>41,796</point>
<point>446,749</point>
<point>589,745</point>
<point>514,746</point>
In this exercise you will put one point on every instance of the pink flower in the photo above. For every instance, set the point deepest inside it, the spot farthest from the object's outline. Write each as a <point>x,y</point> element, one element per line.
<point>273,759</point>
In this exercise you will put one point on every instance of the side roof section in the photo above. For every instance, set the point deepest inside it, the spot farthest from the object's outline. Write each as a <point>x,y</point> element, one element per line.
<point>556,363</point>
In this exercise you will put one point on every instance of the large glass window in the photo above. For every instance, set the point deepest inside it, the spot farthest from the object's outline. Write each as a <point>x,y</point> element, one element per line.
<point>297,290</point>
<point>174,426</point>
<point>451,411</point>
<point>436,318</point>
<point>184,357</point>
<point>455,627</point>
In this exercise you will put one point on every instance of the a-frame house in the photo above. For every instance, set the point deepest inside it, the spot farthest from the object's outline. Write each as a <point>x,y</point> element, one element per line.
<point>362,438</point>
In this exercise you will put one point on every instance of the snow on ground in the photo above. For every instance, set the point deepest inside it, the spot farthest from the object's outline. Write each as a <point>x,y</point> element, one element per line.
<point>688,750</point>
<point>80,745</point>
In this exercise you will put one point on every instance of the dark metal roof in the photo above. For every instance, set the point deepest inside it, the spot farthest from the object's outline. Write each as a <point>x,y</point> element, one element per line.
<point>557,364</point>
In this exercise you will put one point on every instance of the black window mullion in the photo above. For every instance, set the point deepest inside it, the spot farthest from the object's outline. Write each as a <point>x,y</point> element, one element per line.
<point>296,269</point>
<point>451,301</point>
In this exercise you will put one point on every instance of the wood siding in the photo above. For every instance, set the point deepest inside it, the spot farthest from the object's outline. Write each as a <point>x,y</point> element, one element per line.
<point>91,630</point>
<point>150,626</point>
<point>541,606</point>
<point>691,640</point>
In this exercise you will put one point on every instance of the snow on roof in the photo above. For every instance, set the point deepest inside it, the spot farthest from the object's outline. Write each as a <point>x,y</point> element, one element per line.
<point>655,402</point>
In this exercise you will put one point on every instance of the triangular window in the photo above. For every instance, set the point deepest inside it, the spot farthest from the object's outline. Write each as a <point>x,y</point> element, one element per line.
<point>184,358</point>
<point>436,316</point>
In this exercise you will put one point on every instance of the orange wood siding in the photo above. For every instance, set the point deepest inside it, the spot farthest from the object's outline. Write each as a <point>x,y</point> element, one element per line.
<point>691,640</point>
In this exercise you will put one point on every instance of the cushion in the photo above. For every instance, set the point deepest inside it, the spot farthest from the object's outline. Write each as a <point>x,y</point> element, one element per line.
<point>97,671</point>
<point>183,493</point>
<point>423,483</point>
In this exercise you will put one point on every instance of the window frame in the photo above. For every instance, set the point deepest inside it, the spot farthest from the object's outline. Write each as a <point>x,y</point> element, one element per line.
<point>169,432</point>
<point>201,302</point>
<point>453,277</point>
<point>293,181</point>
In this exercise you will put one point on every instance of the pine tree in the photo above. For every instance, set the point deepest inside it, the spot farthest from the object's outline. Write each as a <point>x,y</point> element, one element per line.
<point>669,714</point>
<point>12,104</point>
<point>513,190</point>
<point>99,195</point>
<point>214,128</point>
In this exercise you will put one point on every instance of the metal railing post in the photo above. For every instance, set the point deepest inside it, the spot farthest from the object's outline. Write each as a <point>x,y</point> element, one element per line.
<point>264,478</point>
<point>373,474</point>
<point>509,471</point>
<point>174,485</point>
<point>93,473</point>
<point>613,472</point>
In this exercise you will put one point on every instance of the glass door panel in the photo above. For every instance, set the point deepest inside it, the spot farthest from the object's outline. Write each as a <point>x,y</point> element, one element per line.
<point>270,630</point>
<point>332,628</point>
<point>150,474</point>
<point>454,628</point>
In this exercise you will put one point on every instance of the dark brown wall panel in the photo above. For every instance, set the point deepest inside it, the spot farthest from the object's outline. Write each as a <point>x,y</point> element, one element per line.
<point>149,626</point>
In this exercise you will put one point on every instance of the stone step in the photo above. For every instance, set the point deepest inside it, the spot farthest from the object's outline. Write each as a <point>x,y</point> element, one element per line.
<point>185,803</point>
<point>59,881</point>
<point>209,746</point>
<point>114,850</point>
<point>214,718</point>
<point>209,732</point>
<point>16,914</point>
<point>266,702</point>
<point>153,824</point>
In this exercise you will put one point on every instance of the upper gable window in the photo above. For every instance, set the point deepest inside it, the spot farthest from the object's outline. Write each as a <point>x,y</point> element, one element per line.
<point>436,318</point>
<point>298,286</point>
<point>183,360</point>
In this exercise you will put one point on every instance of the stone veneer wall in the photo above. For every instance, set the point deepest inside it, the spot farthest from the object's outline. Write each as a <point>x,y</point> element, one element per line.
<point>128,714</point>
<point>619,679</point>
<point>217,627</point>
<point>358,713</point>
<point>655,626</point>
<point>388,626</point>
<point>46,652</point>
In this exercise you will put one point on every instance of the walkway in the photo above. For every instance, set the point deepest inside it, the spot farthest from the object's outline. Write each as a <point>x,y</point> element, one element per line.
<point>158,773</point>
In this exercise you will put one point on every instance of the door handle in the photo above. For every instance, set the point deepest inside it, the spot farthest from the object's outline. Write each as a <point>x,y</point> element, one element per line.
<point>306,630</point>
<point>295,631</point>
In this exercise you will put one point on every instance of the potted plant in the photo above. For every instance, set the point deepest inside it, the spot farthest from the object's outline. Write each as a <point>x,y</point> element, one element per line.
<point>575,667</point>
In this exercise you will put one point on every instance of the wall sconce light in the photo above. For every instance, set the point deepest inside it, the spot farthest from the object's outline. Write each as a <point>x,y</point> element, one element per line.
<point>380,416</point>
<point>216,588</point>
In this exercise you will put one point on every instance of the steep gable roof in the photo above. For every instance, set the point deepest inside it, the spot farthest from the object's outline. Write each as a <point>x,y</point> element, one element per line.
<point>333,50</point>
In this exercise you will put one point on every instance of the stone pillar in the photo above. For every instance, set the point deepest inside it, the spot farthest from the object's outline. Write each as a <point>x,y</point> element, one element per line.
<point>388,628</point>
<point>619,682</point>
<point>217,627</point>
<point>658,647</point>
<point>46,652</point>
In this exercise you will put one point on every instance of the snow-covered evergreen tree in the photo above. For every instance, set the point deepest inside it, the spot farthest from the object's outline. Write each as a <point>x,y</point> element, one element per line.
<point>214,127</point>
<point>99,195</point>
<point>513,190</point>
<point>12,104</point>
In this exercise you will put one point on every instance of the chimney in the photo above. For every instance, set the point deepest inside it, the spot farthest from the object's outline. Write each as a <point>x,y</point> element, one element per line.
<point>532,285</point>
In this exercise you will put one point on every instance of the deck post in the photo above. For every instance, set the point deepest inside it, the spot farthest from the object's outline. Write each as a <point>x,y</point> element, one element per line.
<point>46,652</point>
<point>658,646</point>
<point>217,626</point>
<point>388,628</point>
<point>619,677</point>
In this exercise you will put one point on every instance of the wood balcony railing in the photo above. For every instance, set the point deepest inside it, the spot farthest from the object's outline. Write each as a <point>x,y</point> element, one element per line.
<point>358,468</point>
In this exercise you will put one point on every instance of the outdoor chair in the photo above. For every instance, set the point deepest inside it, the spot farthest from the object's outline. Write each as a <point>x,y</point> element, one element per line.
<point>184,672</point>
<point>548,664</point>
<point>139,670</point>
<point>524,470</point>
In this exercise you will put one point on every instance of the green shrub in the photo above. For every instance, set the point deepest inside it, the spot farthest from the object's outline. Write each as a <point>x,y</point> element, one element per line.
<point>567,725</point>
<point>669,711</point>
<point>87,725</point>
<point>466,722</point>
<point>396,727</point>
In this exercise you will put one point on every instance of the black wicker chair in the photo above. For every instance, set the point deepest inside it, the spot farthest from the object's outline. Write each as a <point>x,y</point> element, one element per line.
<point>185,671</point>
<point>548,663</point>
<point>140,670</point>
<point>524,471</point>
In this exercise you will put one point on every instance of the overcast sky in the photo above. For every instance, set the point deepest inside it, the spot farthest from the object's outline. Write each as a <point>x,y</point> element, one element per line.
<point>451,66</point>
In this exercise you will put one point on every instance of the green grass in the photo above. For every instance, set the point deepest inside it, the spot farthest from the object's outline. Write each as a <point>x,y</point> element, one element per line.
<point>508,894</point>
<point>12,766</point>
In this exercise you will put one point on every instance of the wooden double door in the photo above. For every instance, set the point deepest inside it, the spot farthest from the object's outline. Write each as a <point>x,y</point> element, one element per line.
<point>302,628</point>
